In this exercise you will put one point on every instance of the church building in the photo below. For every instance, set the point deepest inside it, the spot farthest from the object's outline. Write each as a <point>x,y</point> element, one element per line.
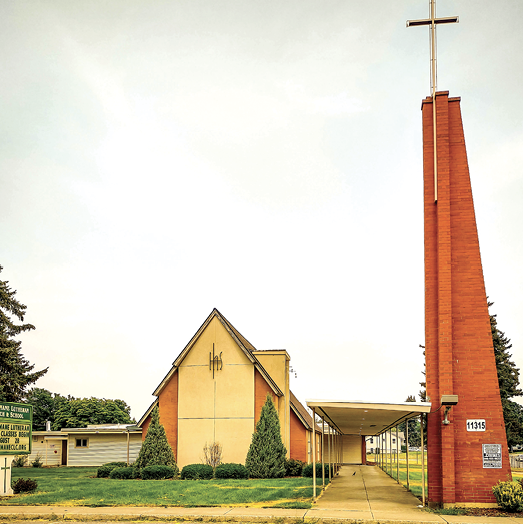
<point>215,391</point>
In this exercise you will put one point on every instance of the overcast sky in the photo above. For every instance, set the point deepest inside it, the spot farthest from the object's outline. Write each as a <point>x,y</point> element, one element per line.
<point>162,158</point>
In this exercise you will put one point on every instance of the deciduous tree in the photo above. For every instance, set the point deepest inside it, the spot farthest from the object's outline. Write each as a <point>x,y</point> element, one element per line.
<point>45,405</point>
<point>80,412</point>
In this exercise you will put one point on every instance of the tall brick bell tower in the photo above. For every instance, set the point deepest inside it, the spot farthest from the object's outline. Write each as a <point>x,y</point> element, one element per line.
<point>469,454</point>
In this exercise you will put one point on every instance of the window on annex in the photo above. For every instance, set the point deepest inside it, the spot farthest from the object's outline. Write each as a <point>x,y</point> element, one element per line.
<point>82,443</point>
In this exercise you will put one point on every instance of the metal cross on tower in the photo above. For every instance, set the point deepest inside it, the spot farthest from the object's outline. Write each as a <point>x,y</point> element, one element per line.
<point>432,22</point>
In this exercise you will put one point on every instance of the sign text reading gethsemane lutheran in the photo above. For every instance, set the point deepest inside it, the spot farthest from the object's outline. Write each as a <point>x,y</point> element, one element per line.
<point>15,428</point>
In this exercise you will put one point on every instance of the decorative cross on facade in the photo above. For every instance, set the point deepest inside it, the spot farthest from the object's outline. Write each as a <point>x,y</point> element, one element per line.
<point>432,22</point>
<point>215,361</point>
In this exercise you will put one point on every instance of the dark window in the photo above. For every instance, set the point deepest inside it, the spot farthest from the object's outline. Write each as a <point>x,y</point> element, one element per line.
<point>82,443</point>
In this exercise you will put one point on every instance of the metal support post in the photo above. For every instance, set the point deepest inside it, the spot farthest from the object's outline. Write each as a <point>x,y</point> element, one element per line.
<point>397,456</point>
<point>422,463</point>
<point>407,450</point>
<point>322,452</point>
<point>314,454</point>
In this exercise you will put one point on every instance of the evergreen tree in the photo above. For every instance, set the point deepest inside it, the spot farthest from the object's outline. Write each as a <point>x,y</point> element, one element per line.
<point>156,450</point>
<point>508,379</point>
<point>266,455</point>
<point>15,370</point>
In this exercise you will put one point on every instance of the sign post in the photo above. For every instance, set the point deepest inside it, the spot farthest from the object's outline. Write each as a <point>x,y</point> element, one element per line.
<point>16,422</point>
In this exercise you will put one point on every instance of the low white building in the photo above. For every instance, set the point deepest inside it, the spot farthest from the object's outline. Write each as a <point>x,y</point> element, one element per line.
<point>91,446</point>
<point>383,443</point>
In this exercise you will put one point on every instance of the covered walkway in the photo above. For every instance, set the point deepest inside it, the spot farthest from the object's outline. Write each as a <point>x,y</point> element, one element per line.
<point>366,492</point>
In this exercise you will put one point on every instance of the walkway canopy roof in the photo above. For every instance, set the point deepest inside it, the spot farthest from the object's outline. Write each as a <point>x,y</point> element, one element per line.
<point>366,418</point>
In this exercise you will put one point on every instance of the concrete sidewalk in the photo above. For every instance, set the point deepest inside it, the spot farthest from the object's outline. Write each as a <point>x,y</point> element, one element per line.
<point>362,494</point>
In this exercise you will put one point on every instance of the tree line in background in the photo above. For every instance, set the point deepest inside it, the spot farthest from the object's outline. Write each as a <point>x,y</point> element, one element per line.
<point>71,412</point>
<point>16,375</point>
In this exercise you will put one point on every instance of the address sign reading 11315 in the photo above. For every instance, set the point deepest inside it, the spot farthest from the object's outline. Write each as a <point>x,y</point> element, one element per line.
<point>478,424</point>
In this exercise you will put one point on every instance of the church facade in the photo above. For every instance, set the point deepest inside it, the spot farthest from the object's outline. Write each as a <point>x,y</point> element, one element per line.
<point>215,391</point>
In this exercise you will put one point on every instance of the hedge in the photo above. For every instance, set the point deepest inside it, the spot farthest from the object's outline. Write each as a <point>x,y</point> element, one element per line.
<point>197,472</point>
<point>231,471</point>
<point>105,470</point>
<point>158,472</point>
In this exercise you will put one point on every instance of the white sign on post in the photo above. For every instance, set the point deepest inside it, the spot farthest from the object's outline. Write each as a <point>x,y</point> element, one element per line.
<point>477,424</point>
<point>16,422</point>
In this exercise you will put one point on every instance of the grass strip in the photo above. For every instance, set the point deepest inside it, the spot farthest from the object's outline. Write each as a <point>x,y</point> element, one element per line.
<point>79,487</point>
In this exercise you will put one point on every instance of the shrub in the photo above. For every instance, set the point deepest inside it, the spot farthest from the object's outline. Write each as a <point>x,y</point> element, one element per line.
<point>212,454</point>
<point>24,485</point>
<point>509,495</point>
<point>231,471</point>
<point>158,472</point>
<point>37,462</point>
<point>19,461</point>
<point>123,473</point>
<point>105,470</point>
<point>197,472</point>
<point>266,455</point>
<point>293,468</point>
<point>307,470</point>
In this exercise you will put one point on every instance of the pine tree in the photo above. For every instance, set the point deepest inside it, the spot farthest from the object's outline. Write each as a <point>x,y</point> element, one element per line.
<point>15,370</point>
<point>156,450</point>
<point>508,379</point>
<point>266,455</point>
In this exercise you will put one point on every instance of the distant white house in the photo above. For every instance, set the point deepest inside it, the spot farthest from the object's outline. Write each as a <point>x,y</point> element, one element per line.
<point>91,446</point>
<point>384,443</point>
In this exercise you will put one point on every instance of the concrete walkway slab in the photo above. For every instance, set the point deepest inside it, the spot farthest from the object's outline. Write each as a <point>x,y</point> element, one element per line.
<point>366,492</point>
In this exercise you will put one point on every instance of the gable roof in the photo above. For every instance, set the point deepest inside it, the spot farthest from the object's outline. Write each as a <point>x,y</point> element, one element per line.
<point>240,340</point>
<point>300,411</point>
<point>141,422</point>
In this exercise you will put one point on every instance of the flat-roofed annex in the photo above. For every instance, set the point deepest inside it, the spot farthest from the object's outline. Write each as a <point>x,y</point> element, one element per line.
<point>357,417</point>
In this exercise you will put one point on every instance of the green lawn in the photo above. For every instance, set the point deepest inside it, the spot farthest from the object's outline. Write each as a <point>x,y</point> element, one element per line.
<point>78,487</point>
<point>415,484</point>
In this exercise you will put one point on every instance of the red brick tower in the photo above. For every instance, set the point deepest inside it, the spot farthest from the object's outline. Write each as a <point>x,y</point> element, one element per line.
<point>462,467</point>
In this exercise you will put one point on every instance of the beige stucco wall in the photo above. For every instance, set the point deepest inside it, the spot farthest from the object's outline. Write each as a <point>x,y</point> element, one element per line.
<point>219,409</point>
<point>351,449</point>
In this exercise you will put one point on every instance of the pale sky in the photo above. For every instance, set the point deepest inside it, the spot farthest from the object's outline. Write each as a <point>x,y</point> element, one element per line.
<point>162,158</point>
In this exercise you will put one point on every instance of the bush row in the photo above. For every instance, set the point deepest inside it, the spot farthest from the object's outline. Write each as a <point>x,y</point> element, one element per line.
<point>307,470</point>
<point>119,470</point>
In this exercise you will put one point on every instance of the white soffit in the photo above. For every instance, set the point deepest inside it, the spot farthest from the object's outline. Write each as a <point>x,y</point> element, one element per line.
<point>366,418</point>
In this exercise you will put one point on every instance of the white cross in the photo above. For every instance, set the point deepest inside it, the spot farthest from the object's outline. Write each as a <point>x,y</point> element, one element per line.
<point>5,469</point>
<point>432,22</point>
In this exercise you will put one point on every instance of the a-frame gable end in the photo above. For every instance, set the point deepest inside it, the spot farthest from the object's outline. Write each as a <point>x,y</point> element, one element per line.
<point>230,329</point>
<point>243,344</point>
